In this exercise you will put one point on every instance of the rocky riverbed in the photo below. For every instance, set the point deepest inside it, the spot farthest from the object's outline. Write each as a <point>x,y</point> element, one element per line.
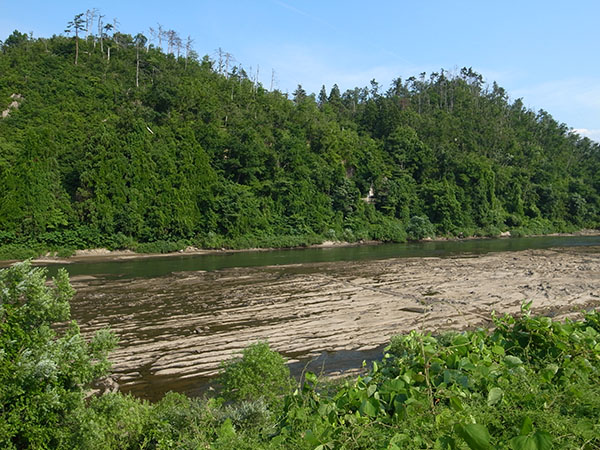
<point>176,330</point>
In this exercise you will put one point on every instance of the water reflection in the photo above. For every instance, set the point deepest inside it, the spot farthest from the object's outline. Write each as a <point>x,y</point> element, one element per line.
<point>160,266</point>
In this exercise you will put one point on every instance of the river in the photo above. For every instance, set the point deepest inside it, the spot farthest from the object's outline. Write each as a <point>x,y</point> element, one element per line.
<point>178,317</point>
<point>161,266</point>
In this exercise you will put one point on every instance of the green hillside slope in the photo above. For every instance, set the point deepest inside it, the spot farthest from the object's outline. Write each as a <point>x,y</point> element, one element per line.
<point>155,151</point>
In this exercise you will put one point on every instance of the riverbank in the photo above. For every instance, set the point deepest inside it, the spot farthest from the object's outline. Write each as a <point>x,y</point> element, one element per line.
<point>176,330</point>
<point>106,255</point>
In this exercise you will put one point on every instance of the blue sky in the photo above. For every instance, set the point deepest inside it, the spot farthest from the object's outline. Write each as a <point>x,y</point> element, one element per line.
<point>546,52</point>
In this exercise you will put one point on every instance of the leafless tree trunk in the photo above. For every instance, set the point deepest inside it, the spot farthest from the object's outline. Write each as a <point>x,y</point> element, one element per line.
<point>152,38</point>
<point>101,32</point>
<point>90,16</point>
<point>188,48</point>
<point>115,28</point>
<point>160,35</point>
<point>173,42</point>
<point>220,61</point>
<point>272,79</point>
<point>178,44</point>
<point>76,46</point>
<point>228,58</point>
<point>256,79</point>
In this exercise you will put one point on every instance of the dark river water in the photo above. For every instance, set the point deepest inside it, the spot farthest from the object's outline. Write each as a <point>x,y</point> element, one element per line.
<point>160,266</point>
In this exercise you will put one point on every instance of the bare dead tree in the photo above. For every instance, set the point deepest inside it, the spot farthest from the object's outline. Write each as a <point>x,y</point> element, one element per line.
<point>242,73</point>
<point>153,34</point>
<point>106,29</point>
<point>256,79</point>
<point>161,34</point>
<point>115,28</point>
<point>167,36</point>
<point>90,17</point>
<point>220,60</point>
<point>177,43</point>
<point>188,49</point>
<point>272,79</point>
<point>228,59</point>
<point>189,42</point>
<point>170,40</point>
<point>101,32</point>
<point>140,41</point>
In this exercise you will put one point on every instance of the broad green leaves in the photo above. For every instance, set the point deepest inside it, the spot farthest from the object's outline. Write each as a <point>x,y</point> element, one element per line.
<point>528,440</point>
<point>450,379</point>
<point>539,440</point>
<point>513,361</point>
<point>494,396</point>
<point>475,435</point>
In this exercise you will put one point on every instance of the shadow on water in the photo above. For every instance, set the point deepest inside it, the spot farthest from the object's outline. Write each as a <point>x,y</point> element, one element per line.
<point>340,363</point>
<point>336,363</point>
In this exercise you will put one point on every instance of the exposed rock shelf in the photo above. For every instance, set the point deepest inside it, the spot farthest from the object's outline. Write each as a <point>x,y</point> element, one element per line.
<point>182,326</point>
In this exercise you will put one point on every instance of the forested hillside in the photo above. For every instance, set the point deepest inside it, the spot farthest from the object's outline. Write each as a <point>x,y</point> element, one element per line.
<point>117,143</point>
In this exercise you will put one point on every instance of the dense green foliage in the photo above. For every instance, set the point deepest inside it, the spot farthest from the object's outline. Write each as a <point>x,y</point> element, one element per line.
<point>43,375</point>
<point>153,151</point>
<point>530,383</point>
<point>258,373</point>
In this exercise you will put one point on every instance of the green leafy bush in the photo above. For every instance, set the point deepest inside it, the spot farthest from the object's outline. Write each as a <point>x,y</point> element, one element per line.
<point>258,373</point>
<point>178,421</point>
<point>21,251</point>
<point>530,383</point>
<point>111,421</point>
<point>160,246</point>
<point>249,415</point>
<point>44,373</point>
<point>419,227</point>
<point>65,252</point>
<point>120,242</point>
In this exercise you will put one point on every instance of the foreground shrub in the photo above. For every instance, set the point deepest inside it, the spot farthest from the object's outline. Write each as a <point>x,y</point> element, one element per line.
<point>43,373</point>
<point>178,421</point>
<point>246,415</point>
<point>532,383</point>
<point>111,421</point>
<point>259,373</point>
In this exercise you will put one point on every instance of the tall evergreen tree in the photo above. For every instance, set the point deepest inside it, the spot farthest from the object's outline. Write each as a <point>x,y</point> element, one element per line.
<point>77,24</point>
